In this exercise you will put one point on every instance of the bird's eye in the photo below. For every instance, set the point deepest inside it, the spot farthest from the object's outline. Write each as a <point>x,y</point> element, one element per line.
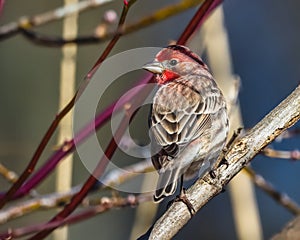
<point>173,62</point>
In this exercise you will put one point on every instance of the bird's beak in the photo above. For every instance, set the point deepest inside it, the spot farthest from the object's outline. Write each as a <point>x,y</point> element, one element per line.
<point>154,67</point>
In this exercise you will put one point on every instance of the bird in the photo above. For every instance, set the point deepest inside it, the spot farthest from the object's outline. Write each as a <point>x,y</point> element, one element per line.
<point>188,120</point>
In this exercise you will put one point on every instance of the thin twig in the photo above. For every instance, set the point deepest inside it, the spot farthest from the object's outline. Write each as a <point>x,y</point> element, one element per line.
<point>1,5</point>
<point>207,7</point>
<point>90,182</point>
<point>282,198</point>
<point>58,199</point>
<point>9,175</point>
<point>30,167</point>
<point>153,18</point>
<point>289,134</point>
<point>101,166</point>
<point>96,207</point>
<point>13,28</point>
<point>269,152</point>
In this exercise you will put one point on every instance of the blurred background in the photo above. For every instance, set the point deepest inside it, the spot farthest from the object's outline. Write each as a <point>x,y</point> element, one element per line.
<point>264,44</point>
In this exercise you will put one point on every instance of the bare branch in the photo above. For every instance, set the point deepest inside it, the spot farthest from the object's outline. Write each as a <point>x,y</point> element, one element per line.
<point>24,25</point>
<point>240,153</point>
<point>290,232</point>
<point>43,18</point>
<point>46,138</point>
<point>282,198</point>
<point>269,152</point>
<point>97,206</point>
<point>9,175</point>
<point>54,200</point>
<point>1,5</point>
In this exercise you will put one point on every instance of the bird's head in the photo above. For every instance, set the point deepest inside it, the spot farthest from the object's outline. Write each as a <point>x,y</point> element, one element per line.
<point>175,61</point>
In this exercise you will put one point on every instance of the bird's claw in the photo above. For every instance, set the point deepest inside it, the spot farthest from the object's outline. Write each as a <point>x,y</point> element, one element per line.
<point>183,198</point>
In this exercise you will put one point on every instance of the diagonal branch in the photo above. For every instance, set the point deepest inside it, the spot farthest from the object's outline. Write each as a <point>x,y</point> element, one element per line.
<point>241,152</point>
<point>272,153</point>
<point>282,198</point>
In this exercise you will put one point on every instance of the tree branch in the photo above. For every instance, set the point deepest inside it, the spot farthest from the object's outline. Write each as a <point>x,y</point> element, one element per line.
<point>58,199</point>
<point>282,198</point>
<point>94,207</point>
<point>290,232</point>
<point>25,25</point>
<point>272,153</point>
<point>239,154</point>
<point>46,138</point>
<point>24,22</point>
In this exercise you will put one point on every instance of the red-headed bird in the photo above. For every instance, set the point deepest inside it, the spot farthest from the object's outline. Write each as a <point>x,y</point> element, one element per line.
<point>188,118</point>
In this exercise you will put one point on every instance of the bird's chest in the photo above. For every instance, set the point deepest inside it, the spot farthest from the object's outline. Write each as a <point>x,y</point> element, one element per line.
<point>174,97</point>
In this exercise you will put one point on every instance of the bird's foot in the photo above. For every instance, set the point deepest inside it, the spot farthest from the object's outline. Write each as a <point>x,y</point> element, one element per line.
<point>183,198</point>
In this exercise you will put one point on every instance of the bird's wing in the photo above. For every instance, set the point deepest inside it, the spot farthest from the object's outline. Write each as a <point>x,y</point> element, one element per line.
<point>181,112</point>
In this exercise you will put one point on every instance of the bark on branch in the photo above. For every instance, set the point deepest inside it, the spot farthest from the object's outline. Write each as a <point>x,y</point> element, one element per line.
<point>239,154</point>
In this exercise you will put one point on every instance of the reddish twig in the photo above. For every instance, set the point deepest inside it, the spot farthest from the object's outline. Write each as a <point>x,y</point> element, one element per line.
<point>1,5</point>
<point>114,40</point>
<point>99,170</point>
<point>30,167</point>
<point>206,8</point>
<point>104,205</point>
<point>69,146</point>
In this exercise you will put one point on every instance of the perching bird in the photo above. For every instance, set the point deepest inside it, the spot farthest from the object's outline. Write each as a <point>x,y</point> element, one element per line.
<point>188,119</point>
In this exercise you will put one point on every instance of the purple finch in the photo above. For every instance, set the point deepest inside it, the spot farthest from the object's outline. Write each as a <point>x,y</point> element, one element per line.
<point>188,118</point>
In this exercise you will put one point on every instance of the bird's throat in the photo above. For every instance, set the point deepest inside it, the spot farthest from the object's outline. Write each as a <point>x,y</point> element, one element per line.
<point>167,76</point>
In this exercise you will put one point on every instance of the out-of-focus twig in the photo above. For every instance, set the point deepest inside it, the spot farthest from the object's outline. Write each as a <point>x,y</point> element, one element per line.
<point>9,175</point>
<point>68,144</point>
<point>95,207</point>
<point>24,22</point>
<point>89,183</point>
<point>1,5</point>
<point>293,155</point>
<point>57,199</point>
<point>289,134</point>
<point>282,198</point>
<point>157,16</point>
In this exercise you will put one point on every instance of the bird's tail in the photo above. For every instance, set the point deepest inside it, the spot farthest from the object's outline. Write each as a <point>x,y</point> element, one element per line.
<point>167,184</point>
